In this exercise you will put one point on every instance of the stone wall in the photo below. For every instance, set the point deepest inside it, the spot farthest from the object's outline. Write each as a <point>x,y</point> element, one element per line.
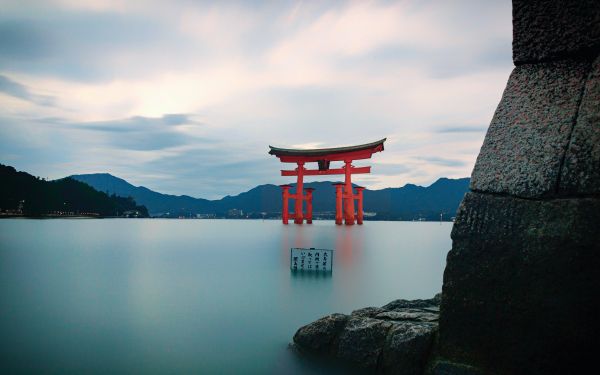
<point>524,271</point>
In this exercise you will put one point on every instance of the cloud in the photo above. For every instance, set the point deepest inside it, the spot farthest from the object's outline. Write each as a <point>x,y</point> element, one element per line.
<point>139,132</point>
<point>167,122</point>
<point>390,169</point>
<point>17,90</point>
<point>446,162</point>
<point>461,129</point>
<point>92,47</point>
<point>21,40</point>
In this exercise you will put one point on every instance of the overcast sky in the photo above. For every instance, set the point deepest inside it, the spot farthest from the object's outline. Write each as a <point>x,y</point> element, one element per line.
<point>184,97</point>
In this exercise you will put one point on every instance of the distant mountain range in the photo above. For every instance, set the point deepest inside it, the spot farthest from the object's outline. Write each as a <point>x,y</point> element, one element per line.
<point>410,202</point>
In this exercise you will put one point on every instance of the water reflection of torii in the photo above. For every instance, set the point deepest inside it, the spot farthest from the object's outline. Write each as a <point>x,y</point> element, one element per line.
<point>323,157</point>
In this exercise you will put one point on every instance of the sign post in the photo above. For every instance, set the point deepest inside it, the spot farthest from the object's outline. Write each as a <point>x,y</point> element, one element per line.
<point>302,259</point>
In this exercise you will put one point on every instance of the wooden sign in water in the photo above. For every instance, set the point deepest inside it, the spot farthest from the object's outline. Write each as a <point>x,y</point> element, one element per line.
<point>302,259</point>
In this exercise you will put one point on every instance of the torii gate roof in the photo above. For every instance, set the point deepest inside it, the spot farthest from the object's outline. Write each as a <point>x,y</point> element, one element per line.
<point>363,151</point>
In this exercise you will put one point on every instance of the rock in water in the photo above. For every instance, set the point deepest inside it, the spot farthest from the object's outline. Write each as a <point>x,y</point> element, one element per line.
<point>407,347</point>
<point>318,337</point>
<point>362,340</point>
<point>395,338</point>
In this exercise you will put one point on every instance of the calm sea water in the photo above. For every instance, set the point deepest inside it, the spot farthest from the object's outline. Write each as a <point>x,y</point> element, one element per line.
<point>193,296</point>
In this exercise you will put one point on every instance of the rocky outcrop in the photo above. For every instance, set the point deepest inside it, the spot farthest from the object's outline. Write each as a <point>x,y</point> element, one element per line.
<point>521,279</point>
<point>321,336</point>
<point>389,339</point>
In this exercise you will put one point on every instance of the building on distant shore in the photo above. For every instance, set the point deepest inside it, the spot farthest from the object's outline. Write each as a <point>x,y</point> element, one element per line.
<point>132,213</point>
<point>235,213</point>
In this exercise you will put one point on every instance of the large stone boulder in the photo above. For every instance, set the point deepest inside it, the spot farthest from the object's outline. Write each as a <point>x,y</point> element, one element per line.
<point>320,336</point>
<point>407,347</point>
<point>395,338</point>
<point>361,341</point>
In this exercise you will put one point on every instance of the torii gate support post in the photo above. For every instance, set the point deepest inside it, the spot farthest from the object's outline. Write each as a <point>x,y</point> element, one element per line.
<point>338,203</point>
<point>348,194</point>
<point>285,214</point>
<point>299,196</point>
<point>309,207</point>
<point>359,198</point>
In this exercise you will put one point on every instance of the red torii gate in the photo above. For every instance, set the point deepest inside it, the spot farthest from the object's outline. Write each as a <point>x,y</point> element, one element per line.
<point>323,157</point>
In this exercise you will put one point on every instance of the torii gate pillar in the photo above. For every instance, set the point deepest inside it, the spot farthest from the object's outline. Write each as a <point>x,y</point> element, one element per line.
<point>299,196</point>
<point>359,210</point>
<point>338,202</point>
<point>309,207</point>
<point>285,192</point>
<point>348,194</point>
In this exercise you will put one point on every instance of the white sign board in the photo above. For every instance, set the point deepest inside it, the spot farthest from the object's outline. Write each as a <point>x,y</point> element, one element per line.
<point>312,259</point>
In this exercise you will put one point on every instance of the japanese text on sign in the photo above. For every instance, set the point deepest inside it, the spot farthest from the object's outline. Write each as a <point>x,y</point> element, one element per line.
<point>302,259</point>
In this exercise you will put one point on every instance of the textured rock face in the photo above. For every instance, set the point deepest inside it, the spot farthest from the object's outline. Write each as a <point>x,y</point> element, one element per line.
<point>319,336</point>
<point>529,134</point>
<point>520,281</point>
<point>406,348</point>
<point>551,29</point>
<point>522,278</point>
<point>395,338</point>
<point>362,341</point>
<point>581,169</point>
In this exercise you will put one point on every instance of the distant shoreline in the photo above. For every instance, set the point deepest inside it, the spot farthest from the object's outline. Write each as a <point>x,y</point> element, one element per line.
<point>18,216</point>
